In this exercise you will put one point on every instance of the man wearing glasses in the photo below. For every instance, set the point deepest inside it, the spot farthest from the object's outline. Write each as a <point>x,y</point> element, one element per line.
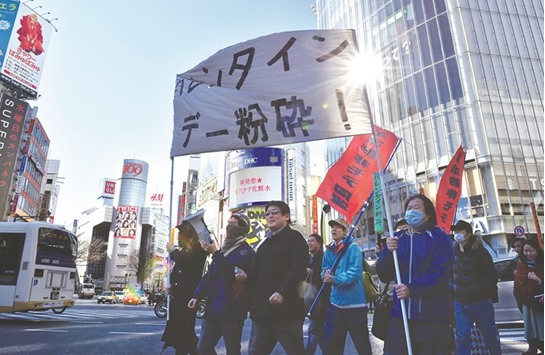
<point>277,309</point>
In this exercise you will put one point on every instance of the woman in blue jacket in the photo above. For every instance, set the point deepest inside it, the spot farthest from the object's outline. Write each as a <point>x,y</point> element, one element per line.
<point>425,255</point>
<point>225,288</point>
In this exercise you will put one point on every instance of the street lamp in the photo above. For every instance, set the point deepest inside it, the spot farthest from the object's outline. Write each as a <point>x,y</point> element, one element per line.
<point>127,275</point>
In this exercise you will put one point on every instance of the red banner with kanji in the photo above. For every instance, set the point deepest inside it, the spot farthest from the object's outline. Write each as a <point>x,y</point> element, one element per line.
<point>349,182</point>
<point>450,189</point>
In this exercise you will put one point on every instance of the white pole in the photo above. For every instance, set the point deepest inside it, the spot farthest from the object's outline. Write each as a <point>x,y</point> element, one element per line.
<point>170,232</point>
<point>390,225</point>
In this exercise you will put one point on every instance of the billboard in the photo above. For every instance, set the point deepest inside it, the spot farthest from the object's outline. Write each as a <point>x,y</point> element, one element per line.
<point>12,116</point>
<point>8,14</point>
<point>126,222</point>
<point>255,176</point>
<point>24,57</point>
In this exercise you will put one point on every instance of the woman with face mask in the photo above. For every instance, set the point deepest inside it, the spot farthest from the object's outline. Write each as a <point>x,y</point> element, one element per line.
<point>474,286</point>
<point>225,287</point>
<point>425,257</point>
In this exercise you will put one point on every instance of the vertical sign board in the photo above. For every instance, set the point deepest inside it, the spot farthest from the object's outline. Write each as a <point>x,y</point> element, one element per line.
<point>25,53</point>
<point>181,205</point>
<point>377,198</point>
<point>314,214</point>
<point>291,184</point>
<point>8,13</point>
<point>12,123</point>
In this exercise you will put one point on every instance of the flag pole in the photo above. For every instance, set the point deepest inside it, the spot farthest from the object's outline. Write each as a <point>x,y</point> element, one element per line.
<point>337,259</point>
<point>389,219</point>
<point>170,233</point>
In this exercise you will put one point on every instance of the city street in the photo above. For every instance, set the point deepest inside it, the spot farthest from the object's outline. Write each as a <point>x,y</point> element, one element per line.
<point>90,328</point>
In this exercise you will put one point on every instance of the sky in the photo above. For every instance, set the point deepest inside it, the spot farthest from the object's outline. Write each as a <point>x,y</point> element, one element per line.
<point>106,92</point>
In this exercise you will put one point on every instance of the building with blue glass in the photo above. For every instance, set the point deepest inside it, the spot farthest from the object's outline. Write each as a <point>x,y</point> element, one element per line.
<point>447,73</point>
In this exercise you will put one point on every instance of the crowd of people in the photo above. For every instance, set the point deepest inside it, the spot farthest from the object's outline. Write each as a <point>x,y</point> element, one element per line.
<point>442,285</point>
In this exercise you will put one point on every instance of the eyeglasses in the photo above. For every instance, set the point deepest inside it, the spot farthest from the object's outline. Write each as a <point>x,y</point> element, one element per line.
<point>272,212</point>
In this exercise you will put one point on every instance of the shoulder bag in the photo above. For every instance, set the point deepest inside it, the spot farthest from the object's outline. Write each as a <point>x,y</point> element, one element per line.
<point>382,314</point>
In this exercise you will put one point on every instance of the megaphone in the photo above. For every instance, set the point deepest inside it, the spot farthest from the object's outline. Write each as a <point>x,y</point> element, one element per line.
<point>195,221</point>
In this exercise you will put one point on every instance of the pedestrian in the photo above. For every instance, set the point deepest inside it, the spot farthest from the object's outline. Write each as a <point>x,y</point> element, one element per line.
<point>516,245</point>
<point>189,260</point>
<point>529,291</point>
<point>316,324</point>
<point>347,311</point>
<point>224,286</point>
<point>425,256</point>
<point>277,309</point>
<point>474,286</point>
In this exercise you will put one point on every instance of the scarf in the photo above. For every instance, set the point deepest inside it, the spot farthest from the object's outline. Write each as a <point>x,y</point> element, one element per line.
<point>235,235</point>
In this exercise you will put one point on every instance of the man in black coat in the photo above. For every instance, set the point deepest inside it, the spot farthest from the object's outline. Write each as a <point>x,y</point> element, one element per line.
<point>277,309</point>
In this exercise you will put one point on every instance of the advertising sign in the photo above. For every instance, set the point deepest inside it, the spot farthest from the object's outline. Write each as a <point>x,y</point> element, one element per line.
<point>12,117</point>
<point>8,13</point>
<point>255,177</point>
<point>107,188</point>
<point>126,222</point>
<point>24,57</point>
<point>135,169</point>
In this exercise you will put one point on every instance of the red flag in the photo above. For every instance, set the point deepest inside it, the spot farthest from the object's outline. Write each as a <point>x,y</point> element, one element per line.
<point>349,182</point>
<point>450,189</point>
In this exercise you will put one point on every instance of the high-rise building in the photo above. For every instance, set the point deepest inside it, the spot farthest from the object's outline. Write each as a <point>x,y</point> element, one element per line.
<point>441,74</point>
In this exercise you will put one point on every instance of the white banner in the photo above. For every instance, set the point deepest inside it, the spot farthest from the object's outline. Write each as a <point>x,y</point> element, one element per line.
<point>278,89</point>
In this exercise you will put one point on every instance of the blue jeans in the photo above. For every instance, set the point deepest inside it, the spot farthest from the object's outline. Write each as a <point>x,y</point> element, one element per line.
<point>340,321</point>
<point>212,331</point>
<point>316,329</point>
<point>482,315</point>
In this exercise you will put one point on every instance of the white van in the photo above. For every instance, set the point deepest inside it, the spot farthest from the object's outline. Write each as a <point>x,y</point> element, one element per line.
<point>87,290</point>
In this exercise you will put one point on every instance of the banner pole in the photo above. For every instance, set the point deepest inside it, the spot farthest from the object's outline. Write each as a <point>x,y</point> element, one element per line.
<point>389,220</point>
<point>170,235</point>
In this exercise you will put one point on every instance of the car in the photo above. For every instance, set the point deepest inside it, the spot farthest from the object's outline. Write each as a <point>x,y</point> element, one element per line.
<point>143,297</point>
<point>132,298</point>
<point>106,297</point>
<point>506,310</point>
<point>119,296</point>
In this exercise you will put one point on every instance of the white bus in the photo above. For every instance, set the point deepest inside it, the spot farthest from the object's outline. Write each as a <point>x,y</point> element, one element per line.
<point>37,267</point>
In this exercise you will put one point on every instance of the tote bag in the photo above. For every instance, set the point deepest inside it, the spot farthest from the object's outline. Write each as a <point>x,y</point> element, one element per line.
<point>382,315</point>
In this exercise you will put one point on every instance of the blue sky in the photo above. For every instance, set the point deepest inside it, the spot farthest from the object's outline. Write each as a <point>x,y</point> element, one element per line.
<point>108,81</point>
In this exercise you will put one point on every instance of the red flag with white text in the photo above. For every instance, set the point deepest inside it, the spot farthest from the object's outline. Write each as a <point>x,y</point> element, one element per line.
<point>450,189</point>
<point>349,182</point>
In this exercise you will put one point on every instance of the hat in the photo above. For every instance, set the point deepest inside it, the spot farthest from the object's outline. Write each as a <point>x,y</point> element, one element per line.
<point>244,221</point>
<point>461,225</point>
<point>340,222</point>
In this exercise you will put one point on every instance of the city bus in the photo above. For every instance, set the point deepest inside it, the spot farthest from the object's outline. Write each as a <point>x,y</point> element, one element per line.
<point>37,267</point>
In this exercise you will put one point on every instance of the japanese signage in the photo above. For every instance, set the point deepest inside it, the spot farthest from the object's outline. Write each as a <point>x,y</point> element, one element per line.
<point>126,222</point>
<point>8,13</point>
<point>181,205</point>
<point>278,89</point>
<point>12,122</point>
<point>349,182</point>
<point>255,176</point>
<point>25,53</point>
<point>449,191</point>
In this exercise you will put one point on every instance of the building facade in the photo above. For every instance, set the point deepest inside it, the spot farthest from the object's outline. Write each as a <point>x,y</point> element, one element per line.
<point>448,73</point>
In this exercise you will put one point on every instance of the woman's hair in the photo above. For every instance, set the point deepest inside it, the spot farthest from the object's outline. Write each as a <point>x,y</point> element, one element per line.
<point>187,235</point>
<point>429,209</point>
<point>534,244</point>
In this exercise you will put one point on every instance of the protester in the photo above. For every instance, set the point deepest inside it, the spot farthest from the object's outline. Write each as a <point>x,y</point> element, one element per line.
<point>474,286</point>
<point>277,309</point>
<point>516,245</point>
<point>189,260</point>
<point>347,311</point>
<point>316,325</point>
<point>425,257</point>
<point>224,288</point>
<point>529,291</point>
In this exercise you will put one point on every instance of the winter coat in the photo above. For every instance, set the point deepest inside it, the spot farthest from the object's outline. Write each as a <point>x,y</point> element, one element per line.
<point>281,265</point>
<point>226,298</point>
<point>347,288</point>
<point>315,264</point>
<point>425,264</point>
<point>474,277</point>
<point>525,288</point>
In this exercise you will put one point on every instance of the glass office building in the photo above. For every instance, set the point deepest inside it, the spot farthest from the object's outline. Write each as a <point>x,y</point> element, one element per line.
<point>449,73</point>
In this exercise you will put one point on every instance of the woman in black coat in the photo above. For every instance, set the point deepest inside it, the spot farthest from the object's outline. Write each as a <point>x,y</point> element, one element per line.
<point>189,260</point>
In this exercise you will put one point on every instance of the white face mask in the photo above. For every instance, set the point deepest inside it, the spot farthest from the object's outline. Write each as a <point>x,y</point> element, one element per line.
<point>459,237</point>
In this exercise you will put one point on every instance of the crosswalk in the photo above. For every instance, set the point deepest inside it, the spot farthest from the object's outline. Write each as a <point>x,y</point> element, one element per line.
<point>73,314</point>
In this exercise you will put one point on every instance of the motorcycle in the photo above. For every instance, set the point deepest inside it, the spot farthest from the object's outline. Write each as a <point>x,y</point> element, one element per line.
<point>160,308</point>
